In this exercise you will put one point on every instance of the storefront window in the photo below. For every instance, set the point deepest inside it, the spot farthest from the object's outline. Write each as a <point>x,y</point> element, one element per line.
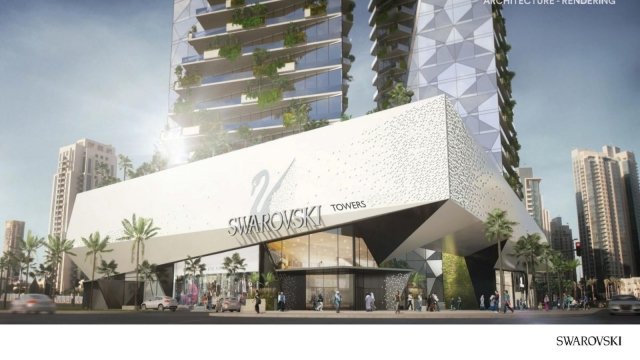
<point>295,253</point>
<point>323,249</point>
<point>345,246</point>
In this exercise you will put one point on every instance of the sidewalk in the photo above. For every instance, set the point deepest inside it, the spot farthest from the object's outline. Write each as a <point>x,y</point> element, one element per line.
<point>385,314</point>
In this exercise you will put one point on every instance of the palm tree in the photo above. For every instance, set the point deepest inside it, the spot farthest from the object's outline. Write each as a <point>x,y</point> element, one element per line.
<point>194,268</point>
<point>399,95</point>
<point>10,262</point>
<point>4,261</point>
<point>31,245</point>
<point>125,164</point>
<point>255,279</point>
<point>497,229</point>
<point>138,230</point>
<point>296,115</point>
<point>107,269</point>
<point>96,247</point>
<point>545,255</point>
<point>592,283</point>
<point>606,288</point>
<point>148,272</point>
<point>57,247</point>
<point>528,248</point>
<point>233,264</point>
<point>43,272</point>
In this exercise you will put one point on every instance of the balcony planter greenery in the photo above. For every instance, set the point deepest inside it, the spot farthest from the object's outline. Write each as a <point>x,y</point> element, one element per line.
<point>250,16</point>
<point>185,79</point>
<point>351,58</point>
<point>231,49</point>
<point>264,65</point>
<point>314,124</point>
<point>382,51</point>
<point>317,7</point>
<point>182,106</point>
<point>294,36</point>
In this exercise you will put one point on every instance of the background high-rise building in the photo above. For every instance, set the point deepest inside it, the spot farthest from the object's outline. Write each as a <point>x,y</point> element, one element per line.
<point>13,235</point>
<point>246,71</point>
<point>629,172</point>
<point>81,166</point>
<point>452,47</point>
<point>562,238</point>
<point>532,195</point>
<point>603,214</point>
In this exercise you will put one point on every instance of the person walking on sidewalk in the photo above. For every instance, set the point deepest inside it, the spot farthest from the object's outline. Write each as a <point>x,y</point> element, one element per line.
<point>396,301</point>
<point>482,302</point>
<point>258,301</point>
<point>367,302</point>
<point>320,302</point>
<point>546,302</point>
<point>281,301</point>
<point>507,302</point>
<point>337,300</point>
<point>409,302</point>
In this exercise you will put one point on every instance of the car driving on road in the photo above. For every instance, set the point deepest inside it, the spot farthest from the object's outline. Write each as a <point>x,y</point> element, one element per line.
<point>33,303</point>
<point>624,304</point>
<point>160,303</point>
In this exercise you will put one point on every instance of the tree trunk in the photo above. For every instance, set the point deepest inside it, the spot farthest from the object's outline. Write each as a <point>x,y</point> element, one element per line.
<point>533,284</point>
<point>135,294</point>
<point>93,278</point>
<point>27,271</point>
<point>501,277</point>
<point>526,265</point>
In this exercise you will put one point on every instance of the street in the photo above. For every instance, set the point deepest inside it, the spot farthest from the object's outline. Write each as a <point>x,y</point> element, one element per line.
<point>594,317</point>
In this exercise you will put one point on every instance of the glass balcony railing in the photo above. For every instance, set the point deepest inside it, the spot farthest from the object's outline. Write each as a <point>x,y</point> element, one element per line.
<point>226,77</point>
<point>269,46</point>
<point>294,15</point>
<point>192,58</point>
<point>275,121</point>
<point>211,8</point>
<point>214,31</point>
<point>249,74</point>
<point>237,98</point>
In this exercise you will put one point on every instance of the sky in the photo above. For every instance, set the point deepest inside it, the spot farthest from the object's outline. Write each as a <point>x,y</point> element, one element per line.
<point>100,70</point>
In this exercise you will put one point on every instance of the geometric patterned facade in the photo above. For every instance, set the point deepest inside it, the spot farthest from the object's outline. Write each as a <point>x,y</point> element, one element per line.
<point>453,53</point>
<point>456,48</point>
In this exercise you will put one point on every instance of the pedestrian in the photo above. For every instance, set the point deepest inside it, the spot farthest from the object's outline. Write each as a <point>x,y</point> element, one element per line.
<point>396,300</point>
<point>209,300</point>
<point>507,302</point>
<point>409,302</point>
<point>367,302</point>
<point>281,301</point>
<point>546,302</point>
<point>258,301</point>
<point>314,301</point>
<point>492,302</point>
<point>419,303</point>
<point>435,301</point>
<point>337,300</point>
<point>482,302</point>
<point>452,304</point>
<point>497,296</point>
<point>373,302</point>
<point>459,303</point>
<point>320,302</point>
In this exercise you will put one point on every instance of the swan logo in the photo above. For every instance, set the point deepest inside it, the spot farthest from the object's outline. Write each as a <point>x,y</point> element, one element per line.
<point>288,219</point>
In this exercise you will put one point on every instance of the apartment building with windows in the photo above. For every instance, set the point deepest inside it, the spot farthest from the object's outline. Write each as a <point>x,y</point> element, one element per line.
<point>244,71</point>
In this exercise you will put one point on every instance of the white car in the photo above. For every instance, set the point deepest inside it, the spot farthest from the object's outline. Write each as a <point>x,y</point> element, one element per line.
<point>623,304</point>
<point>33,303</point>
<point>160,303</point>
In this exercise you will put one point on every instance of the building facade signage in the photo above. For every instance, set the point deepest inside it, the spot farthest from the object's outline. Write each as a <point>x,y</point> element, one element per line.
<point>310,216</point>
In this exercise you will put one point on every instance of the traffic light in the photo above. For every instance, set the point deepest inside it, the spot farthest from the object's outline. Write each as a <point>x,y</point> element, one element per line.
<point>578,248</point>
